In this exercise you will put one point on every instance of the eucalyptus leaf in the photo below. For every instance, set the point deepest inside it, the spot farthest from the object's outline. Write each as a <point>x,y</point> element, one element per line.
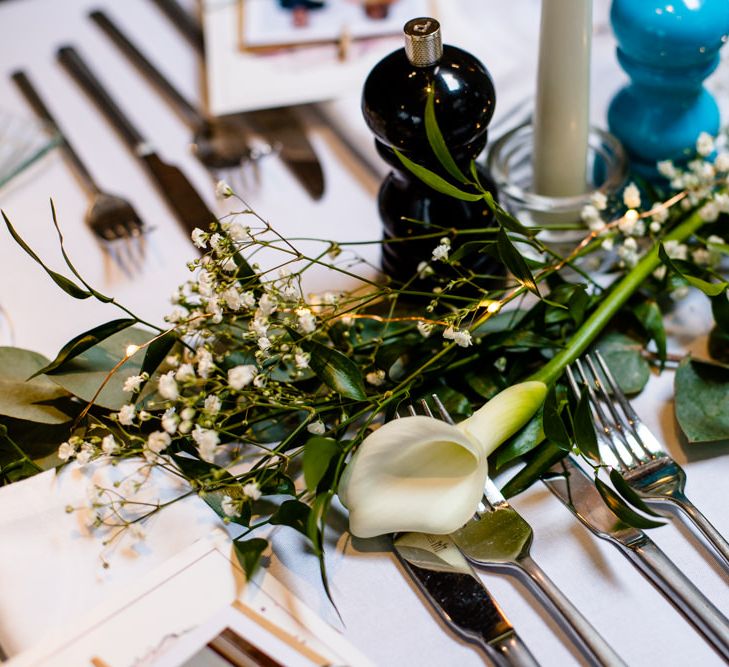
<point>437,142</point>
<point>68,286</point>
<point>335,369</point>
<point>623,357</point>
<point>157,351</point>
<point>505,219</point>
<point>554,428</point>
<point>622,510</point>
<point>84,375</point>
<point>37,400</point>
<point>318,453</point>
<point>84,341</point>
<point>515,263</point>
<point>437,183</point>
<point>702,400</point>
<point>249,553</point>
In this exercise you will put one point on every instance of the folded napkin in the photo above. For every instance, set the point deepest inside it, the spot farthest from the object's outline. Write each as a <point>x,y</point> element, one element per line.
<point>51,567</point>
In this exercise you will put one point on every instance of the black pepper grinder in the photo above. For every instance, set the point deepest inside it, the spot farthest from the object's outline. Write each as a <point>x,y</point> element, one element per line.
<point>393,105</point>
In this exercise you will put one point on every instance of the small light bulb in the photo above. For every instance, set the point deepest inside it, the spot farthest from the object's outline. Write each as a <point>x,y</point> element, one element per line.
<point>132,349</point>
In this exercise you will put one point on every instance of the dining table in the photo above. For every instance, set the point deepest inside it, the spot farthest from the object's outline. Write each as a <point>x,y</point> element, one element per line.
<point>50,571</point>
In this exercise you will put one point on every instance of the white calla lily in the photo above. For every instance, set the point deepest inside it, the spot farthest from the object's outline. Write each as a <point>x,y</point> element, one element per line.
<point>421,474</point>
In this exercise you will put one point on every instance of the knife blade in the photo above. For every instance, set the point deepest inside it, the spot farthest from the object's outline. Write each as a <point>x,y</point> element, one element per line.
<point>575,488</point>
<point>460,598</point>
<point>189,208</point>
<point>280,127</point>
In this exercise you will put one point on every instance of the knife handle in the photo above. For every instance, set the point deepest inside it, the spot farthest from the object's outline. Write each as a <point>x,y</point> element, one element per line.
<point>79,70</point>
<point>679,589</point>
<point>588,639</point>
<point>33,98</point>
<point>511,651</point>
<point>188,112</point>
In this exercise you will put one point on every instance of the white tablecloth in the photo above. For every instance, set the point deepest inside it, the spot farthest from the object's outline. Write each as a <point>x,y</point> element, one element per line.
<point>49,571</point>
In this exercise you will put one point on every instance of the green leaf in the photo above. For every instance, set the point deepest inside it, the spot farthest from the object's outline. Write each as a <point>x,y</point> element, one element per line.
<point>554,428</point>
<point>485,382</point>
<point>84,375</point>
<point>437,183</point>
<point>505,219</point>
<point>702,400</point>
<point>436,141</point>
<point>249,553</point>
<point>710,289</point>
<point>318,453</point>
<point>68,286</point>
<point>585,435</point>
<point>277,484</point>
<point>530,436</point>
<point>157,351</point>
<point>622,487</point>
<point>36,400</point>
<point>543,459</point>
<point>720,310</point>
<point>621,510</point>
<point>513,261</point>
<point>651,318</point>
<point>85,341</point>
<point>719,345</point>
<point>623,357</point>
<point>292,513</point>
<point>335,369</point>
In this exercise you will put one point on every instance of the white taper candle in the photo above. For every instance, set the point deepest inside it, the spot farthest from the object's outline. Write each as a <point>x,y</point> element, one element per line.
<point>562,110</point>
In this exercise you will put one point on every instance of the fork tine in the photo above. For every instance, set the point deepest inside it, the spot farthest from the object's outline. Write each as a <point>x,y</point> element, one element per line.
<point>620,456</point>
<point>444,414</point>
<point>623,428</point>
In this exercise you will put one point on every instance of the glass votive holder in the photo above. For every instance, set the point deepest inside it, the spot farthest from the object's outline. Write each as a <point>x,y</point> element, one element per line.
<point>510,163</point>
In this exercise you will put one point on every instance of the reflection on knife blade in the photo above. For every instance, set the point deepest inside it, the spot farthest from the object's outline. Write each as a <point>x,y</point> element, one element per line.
<point>280,127</point>
<point>458,595</point>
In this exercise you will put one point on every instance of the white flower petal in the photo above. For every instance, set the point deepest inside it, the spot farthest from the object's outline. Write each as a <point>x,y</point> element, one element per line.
<point>413,474</point>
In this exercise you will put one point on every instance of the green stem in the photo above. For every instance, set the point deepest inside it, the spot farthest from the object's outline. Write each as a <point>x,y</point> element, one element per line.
<point>612,303</point>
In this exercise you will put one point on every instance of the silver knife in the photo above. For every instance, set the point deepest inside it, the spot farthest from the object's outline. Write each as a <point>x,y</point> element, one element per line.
<point>458,595</point>
<point>189,208</point>
<point>576,489</point>
<point>280,127</point>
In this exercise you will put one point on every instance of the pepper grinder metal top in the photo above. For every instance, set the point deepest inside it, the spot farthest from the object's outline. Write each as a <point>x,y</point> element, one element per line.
<point>423,41</point>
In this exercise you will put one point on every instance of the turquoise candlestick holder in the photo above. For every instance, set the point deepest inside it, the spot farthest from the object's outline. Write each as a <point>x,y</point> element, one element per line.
<point>667,48</point>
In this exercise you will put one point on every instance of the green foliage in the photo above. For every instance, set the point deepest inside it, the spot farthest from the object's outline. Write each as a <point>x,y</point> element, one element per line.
<point>622,510</point>
<point>335,369</point>
<point>702,400</point>
<point>624,357</point>
<point>249,553</point>
<point>438,183</point>
<point>318,454</point>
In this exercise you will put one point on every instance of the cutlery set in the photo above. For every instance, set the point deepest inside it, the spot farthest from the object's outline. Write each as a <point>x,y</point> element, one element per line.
<point>497,538</point>
<point>226,146</point>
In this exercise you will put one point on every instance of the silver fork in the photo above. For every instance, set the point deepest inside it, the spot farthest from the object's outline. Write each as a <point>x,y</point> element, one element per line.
<point>630,447</point>
<point>112,219</point>
<point>498,538</point>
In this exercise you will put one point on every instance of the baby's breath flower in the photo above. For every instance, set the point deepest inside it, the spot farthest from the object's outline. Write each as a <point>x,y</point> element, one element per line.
<point>721,200</point>
<point>655,226</point>
<point>187,413</point>
<point>599,200</point>
<point>590,214</point>
<point>185,427</point>
<point>223,190</point>
<point>109,445</point>
<point>424,270</point>
<point>709,212</point>
<point>241,376</point>
<point>216,242</point>
<point>376,378</point>
<point>133,382</point>
<point>177,314</point>
<point>459,337</point>
<point>158,441</point>
<point>628,222</point>
<point>230,507</point>
<point>259,326</point>
<point>631,196</point>
<point>204,362</point>
<point>84,456</point>
<point>238,232</point>
<point>199,237</point>
<point>167,386</point>
<point>252,490</point>
<point>207,441</point>
<point>66,451</point>
<point>232,298</point>
<point>440,252</point>
<point>126,414</point>
<point>264,343</point>
<point>676,250</point>
<point>267,305</point>
<point>608,244</point>
<point>185,372</point>
<point>317,427</point>
<point>701,256</point>
<point>425,328</point>
<point>306,319</point>
<point>260,381</point>
<point>212,404</point>
<point>301,359</point>
<point>705,144</point>
<point>722,161</point>
<point>668,170</point>
<point>248,299</point>
<point>660,273</point>
<point>169,421</point>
